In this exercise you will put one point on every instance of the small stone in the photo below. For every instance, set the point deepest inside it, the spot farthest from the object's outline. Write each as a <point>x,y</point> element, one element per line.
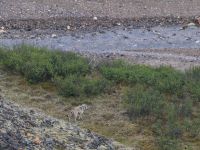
<point>197,42</point>
<point>68,27</point>
<point>125,37</point>
<point>32,36</point>
<point>53,35</point>
<point>191,24</point>
<point>2,30</point>
<point>32,111</point>
<point>82,136</point>
<point>26,142</point>
<point>101,31</point>
<point>102,147</point>
<point>188,38</point>
<point>198,20</point>
<point>29,135</point>
<point>94,18</point>
<point>37,140</point>
<point>49,141</point>
<point>119,24</point>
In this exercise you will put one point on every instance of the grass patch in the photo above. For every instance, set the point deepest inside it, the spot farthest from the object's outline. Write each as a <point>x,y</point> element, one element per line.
<point>163,79</point>
<point>73,86</point>
<point>39,64</point>
<point>164,95</point>
<point>163,99</point>
<point>66,70</point>
<point>142,102</point>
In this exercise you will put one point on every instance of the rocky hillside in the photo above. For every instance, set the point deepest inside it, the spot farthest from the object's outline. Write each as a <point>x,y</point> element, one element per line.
<point>22,128</point>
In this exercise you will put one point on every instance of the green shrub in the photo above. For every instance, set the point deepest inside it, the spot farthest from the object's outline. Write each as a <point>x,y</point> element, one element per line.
<point>167,143</point>
<point>193,74</point>
<point>95,87</point>
<point>21,55</point>
<point>32,62</point>
<point>2,55</point>
<point>193,88</point>
<point>129,74</point>
<point>37,71</point>
<point>163,79</point>
<point>141,102</point>
<point>185,108</point>
<point>40,64</point>
<point>14,61</point>
<point>157,127</point>
<point>172,128</point>
<point>168,130</point>
<point>67,63</point>
<point>194,128</point>
<point>169,80</point>
<point>78,86</point>
<point>70,86</point>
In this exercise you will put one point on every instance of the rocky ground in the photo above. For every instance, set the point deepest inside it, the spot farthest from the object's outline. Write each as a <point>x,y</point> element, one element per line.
<point>94,14</point>
<point>12,9</point>
<point>22,128</point>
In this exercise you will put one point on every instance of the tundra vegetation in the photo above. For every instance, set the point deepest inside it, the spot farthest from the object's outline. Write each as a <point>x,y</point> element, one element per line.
<point>167,99</point>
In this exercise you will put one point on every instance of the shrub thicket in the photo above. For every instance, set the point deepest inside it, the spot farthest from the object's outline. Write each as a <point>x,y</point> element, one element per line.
<point>141,102</point>
<point>39,64</point>
<point>79,86</point>
<point>68,63</point>
<point>163,79</point>
<point>2,55</point>
<point>67,69</point>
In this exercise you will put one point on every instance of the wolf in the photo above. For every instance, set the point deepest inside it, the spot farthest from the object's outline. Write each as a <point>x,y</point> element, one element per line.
<point>77,112</point>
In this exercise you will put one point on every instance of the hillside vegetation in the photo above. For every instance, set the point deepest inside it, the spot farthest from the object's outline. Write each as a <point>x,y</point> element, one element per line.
<point>167,99</point>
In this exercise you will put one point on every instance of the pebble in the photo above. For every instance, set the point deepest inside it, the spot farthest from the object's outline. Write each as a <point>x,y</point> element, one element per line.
<point>191,24</point>
<point>94,18</point>
<point>198,20</point>
<point>49,141</point>
<point>102,147</point>
<point>37,140</point>
<point>119,24</point>
<point>53,35</point>
<point>68,27</point>
<point>2,30</point>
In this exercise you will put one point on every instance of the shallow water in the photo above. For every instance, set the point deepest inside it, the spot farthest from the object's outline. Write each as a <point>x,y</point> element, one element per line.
<point>118,40</point>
